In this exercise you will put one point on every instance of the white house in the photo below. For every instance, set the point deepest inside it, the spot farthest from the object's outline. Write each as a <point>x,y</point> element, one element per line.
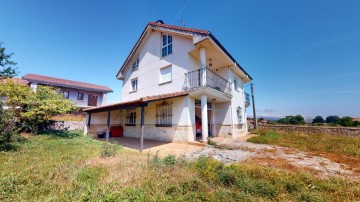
<point>84,95</point>
<point>179,84</point>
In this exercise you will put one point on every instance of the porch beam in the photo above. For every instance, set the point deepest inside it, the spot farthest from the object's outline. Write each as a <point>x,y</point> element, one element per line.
<point>142,129</point>
<point>108,127</point>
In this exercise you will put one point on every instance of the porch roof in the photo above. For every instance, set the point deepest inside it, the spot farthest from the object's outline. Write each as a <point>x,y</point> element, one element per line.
<point>135,103</point>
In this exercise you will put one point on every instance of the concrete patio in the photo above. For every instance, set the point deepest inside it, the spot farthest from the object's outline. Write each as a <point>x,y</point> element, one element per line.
<point>153,147</point>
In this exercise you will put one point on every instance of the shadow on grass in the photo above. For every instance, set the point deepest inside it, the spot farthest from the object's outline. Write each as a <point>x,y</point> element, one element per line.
<point>62,133</point>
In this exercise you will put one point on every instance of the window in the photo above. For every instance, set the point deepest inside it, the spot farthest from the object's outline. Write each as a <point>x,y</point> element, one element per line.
<point>165,74</point>
<point>236,85</point>
<point>166,45</point>
<point>134,84</point>
<point>66,94</point>
<point>135,66</point>
<point>239,114</point>
<point>80,96</point>
<point>130,117</point>
<point>164,115</point>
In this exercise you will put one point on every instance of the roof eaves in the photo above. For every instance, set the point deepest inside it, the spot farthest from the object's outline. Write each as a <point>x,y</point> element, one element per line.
<point>228,54</point>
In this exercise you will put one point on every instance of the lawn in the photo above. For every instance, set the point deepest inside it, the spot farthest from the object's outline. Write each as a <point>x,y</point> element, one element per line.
<point>70,167</point>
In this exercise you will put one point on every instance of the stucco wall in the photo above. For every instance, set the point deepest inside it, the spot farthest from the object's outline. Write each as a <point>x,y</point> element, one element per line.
<point>342,131</point>
<point>150,62</point>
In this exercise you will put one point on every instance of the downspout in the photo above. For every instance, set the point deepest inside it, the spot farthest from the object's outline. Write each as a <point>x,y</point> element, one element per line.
<point>231,110</point>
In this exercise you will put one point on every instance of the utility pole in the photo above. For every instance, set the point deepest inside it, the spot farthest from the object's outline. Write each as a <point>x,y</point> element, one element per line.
<point>253,104</point>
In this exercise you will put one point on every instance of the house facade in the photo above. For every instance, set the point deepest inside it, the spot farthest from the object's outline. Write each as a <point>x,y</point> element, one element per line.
<point>84,95</point>
<point>178,84</point>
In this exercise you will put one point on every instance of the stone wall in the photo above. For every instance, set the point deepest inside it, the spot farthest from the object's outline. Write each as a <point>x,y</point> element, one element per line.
<point>343,131</point>
<point>67,125</point>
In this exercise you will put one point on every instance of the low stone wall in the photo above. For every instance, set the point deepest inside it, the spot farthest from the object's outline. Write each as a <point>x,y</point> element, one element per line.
<point>67,125</point>
<point>343,131</point>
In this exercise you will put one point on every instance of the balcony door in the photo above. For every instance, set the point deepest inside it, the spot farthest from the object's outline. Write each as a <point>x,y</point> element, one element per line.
<point>92,100</point>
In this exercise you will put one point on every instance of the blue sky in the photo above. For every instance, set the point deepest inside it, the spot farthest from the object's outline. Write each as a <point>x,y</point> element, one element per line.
<point>304,56</point>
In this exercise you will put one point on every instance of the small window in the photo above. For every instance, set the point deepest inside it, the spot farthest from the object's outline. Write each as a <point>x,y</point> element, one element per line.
<point>66,94</point>
<point>80,96</point>
<point>130,117</point>
<point>165,74</point>
<point>164,115</point>
<point>135,66</point>
<point>134,84</point>
<point>166,48</point>
<point>239,114</point>
<point>236,85</point>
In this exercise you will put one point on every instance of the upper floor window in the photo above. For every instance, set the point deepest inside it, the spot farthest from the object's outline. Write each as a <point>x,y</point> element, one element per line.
<point>239,114</point>
<point>236,85</point>
<point>80,96</point>
<point>135,65</point>
<point>134,84</point>
<point>66,94</point>
<point>130,117</point>
<point>165,74</point>
<point>166,45</point>
<point>164,115</point>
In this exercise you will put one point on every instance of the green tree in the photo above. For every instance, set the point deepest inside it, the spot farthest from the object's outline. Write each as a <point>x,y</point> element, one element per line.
<point>356,123</point>
<point>332,119</point>
<point>33,109</point>
<point>318,119</point>
<point>8,67</point>
<point>345,121</point>
<point>293,120</point>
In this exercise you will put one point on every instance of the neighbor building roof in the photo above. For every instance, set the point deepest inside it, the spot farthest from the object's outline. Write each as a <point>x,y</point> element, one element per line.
<point>46,80</point>
<point>16,80</point>
<point>159,23</point>
<point>136,103</point>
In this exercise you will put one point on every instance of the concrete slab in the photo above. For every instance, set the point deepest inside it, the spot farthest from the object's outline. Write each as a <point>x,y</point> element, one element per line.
<point>153,147</point>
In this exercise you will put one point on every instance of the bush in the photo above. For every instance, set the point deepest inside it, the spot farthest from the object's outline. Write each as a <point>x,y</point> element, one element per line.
<point>108,150</point>
<point>8,130</point>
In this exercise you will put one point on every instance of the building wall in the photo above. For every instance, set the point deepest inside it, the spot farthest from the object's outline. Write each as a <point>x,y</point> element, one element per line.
<point>150,63</point>
<point>181,131</point>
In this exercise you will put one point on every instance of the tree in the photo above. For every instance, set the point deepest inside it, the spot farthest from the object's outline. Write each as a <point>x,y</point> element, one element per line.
<point>345,121</point>
<point>8,67</point>
<point>33,109</point>
<point>318,119</point>
<point>294,120</point>
<point>356,123</point>
<point>332,119</point>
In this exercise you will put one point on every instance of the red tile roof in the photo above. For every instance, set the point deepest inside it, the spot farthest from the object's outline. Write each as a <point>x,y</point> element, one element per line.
<point>65,83</point>
<point>356,119</point>
<point>136,103</point>
<point>200,31</point>
<point>16,80</point>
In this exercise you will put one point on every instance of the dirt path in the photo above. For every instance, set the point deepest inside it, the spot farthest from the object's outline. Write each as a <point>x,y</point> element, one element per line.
<point>229,151</point>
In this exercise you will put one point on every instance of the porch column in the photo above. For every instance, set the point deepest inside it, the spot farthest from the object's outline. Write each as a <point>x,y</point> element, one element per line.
<point>142,129</point>
<point>203,66</point>
<point>87,123</point>
<point>204,118</point>
<point>108,127</point>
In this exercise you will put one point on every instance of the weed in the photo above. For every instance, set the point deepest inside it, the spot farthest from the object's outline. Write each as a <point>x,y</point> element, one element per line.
<point>108,150</point>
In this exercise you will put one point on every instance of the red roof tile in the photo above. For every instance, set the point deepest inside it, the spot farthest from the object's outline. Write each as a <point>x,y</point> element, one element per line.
<point>356,119</point>
<point>200,31</point>
<point>16,80</point>
<point>65,83</point>
<point>135,103</point>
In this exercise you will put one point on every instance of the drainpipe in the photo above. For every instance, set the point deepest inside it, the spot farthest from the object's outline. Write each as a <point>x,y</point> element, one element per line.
<point>231,110</point>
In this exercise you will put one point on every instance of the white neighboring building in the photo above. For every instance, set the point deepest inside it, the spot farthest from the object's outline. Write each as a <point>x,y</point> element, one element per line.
<point>84,95</point>
<point>180,84</point>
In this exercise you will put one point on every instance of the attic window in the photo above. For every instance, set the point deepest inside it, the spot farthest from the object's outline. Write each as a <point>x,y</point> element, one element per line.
<point>135,66</point>
<point>166,45</point>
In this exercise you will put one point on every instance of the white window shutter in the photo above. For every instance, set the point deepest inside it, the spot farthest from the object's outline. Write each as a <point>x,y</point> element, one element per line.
<point>165,74</point>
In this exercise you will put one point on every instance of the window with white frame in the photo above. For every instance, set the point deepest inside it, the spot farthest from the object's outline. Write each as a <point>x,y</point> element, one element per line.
<point>164,114</point>
<point>135,65</point>
<point>130,117</point>
<point>239,114</point>
<point>134,84</point>
<point>165,74</point>
<point>166,48</point>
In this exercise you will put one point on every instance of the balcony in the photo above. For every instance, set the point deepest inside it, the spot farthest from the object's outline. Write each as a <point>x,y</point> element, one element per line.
<point>206,78</point>
<point>247,99</point>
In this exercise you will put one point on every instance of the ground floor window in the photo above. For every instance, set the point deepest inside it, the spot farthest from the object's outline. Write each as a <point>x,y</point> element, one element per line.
<point>130,117</point>
<point>164,114</point>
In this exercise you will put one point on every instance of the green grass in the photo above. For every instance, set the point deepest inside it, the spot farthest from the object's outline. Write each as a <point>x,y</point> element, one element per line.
<point>312,142</point>
<point>69,167</point>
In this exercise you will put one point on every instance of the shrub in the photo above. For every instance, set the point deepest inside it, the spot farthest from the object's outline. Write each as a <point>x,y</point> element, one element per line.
<point>108,150</point>
<point>8,130</point>
<point>265,137</point>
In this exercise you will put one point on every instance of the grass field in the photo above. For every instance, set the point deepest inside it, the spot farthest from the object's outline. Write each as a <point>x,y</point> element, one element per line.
<point>69,167</point>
